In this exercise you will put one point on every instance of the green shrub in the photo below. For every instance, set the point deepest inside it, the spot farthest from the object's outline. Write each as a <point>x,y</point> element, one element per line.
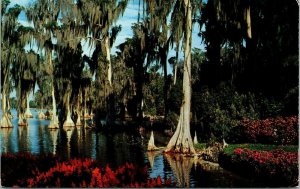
<point>219,110</point>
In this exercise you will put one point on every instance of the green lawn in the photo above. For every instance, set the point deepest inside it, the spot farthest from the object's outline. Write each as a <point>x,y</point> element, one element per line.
<point>262,147</point>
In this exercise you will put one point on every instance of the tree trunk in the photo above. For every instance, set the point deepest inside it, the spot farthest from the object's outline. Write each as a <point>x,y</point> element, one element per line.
<point>175,73</point>
<point>248,20</point>
<point>41,114</point>
<point>54,120</point>
<point>164,54</point>
<point>85,114</point>
<point>109,69</point>
<point>28,113</point>
<point>78,111</point>
<point>139,90</point>
<point>176,63</point>
<point>5,121</point>
<point>151,145</point>
<point>195,138</point>
<point>164,63</point>
<point>22,120</point>
<point>68,122</point>
<point>181,141</point>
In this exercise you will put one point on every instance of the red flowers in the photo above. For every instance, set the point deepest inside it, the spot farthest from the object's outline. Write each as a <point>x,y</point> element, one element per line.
<point>238,151</point>
<point>73,173</point>
<point>271,165</point>
<point>280,130</point>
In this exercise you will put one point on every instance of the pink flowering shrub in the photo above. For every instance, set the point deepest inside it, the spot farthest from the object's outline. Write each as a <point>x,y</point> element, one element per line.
<point>280,130</point>
<point>278,167</point>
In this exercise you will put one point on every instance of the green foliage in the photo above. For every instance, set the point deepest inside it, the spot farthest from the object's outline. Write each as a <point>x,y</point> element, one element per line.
<point>220,109</point>
<point>32,104</point>
<point>269,108</point>
<point>290,102</point>
<point>172,120</point>
<point>153,95</point>
<point>4,5</point>
<point>175,98</point>
<point>200,146</point>
<point>13,103</point>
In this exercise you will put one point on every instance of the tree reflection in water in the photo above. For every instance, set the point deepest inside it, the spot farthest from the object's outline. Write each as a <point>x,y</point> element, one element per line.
<point>54,135</point>
<point>151,156</point>
<point>181,167</point>
<point>5,135</point>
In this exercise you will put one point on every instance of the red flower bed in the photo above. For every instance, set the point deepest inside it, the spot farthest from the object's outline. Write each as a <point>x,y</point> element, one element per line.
<point>16,168</point>
<point>27,170</point>
<point>280,130</point>
<point>85,173</point>
<point>277,166</point>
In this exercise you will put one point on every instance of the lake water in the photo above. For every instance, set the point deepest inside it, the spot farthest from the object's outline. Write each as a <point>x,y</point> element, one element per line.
<point>116,149</point>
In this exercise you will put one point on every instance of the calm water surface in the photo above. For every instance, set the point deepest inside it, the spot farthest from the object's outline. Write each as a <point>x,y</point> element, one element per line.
<point>115,149</point>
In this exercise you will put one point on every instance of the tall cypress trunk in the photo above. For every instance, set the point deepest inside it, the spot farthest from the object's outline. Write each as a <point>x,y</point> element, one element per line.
<point>109,69</point>
<point>110,93</point>
<point>5,121</point>
<point>41,114</point>
<point>85,115</point>
<point>181,141</point>
<point>68,122</point>
<point>248,20</point>
<point>164,55</point>
<point>175,73</point>
<point>139,90</point>
<point>78,110</point>
<point>151,144</point>
<point>28,113</point>
<point>21,105</point>
<point>54,120</point>
<point>164,63</point>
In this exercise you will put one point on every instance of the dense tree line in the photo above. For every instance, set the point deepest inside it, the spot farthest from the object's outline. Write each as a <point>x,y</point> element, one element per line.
<point>248,68</point>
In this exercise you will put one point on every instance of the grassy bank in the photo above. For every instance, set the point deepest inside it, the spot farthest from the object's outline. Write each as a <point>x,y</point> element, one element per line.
<point>260,147</point>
